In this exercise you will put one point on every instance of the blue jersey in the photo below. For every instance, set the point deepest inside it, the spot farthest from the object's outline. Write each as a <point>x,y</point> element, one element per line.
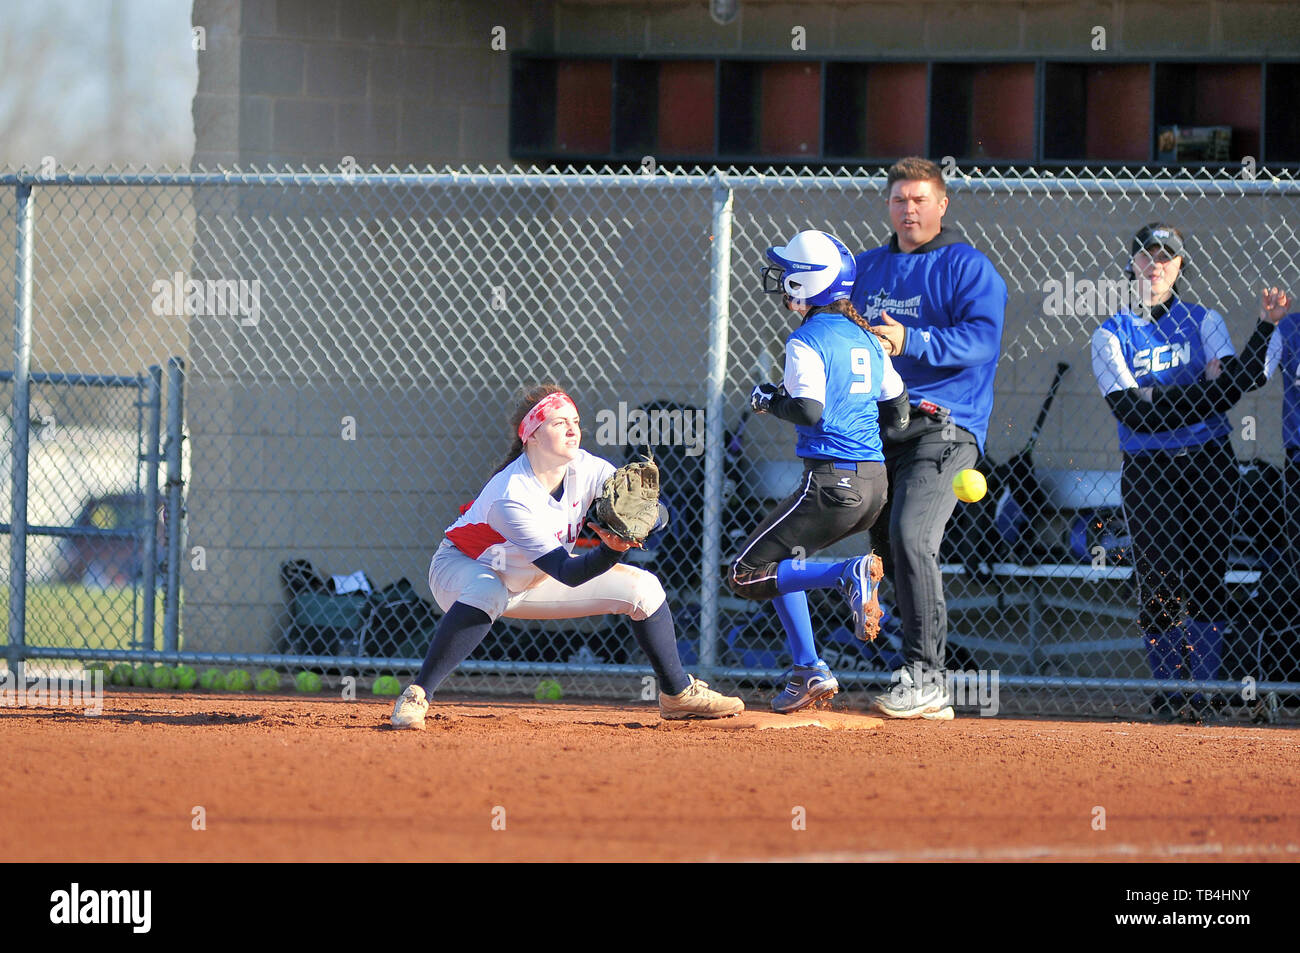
<point>953,302</point>
<point>1284,359</point>
<point>833,361</point>
<point>1167,351</point>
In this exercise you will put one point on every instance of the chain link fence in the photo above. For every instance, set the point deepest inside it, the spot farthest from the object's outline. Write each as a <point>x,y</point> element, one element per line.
<point>351,345</point>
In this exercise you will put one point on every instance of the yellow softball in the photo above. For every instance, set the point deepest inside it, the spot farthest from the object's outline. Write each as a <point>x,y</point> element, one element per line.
<point>969,485</point>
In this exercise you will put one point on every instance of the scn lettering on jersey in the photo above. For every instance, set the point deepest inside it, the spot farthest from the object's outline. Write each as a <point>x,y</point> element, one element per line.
<point>1151,360</point>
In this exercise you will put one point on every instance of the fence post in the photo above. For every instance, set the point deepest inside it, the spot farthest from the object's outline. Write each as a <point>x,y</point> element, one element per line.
<point>151,458</point>
<point>719,330</point>
<point>21,421</point>
<point>175,520</point>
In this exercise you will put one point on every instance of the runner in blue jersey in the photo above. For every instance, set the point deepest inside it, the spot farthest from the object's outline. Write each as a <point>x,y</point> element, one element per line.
<point>938,305</point>
<point>1169,373</point>
<point>835,375</point>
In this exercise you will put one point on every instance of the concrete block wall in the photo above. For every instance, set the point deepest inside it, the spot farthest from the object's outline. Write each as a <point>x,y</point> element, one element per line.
<point>386,82</point>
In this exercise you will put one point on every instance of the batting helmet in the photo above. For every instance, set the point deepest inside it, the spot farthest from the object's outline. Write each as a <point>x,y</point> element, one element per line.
<point>813,269</point>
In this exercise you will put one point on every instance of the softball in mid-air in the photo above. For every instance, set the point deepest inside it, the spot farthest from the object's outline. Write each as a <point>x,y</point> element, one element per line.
<point>969,485</point>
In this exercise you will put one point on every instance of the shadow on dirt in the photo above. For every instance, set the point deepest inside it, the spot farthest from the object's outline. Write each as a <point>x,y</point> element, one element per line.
<point>200,719</point>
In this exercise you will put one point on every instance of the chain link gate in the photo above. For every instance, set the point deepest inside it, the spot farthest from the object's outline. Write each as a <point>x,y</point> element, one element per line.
<point>93,507</point>
<point>351,344</point>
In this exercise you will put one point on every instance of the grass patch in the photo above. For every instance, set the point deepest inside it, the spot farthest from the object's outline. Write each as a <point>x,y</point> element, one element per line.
<point>76,616</point>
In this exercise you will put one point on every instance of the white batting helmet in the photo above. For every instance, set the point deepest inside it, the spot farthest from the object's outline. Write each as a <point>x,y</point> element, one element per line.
<point>814,268</point>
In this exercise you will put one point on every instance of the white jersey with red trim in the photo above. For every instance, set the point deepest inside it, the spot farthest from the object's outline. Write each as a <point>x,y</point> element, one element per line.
<point>514,520</point>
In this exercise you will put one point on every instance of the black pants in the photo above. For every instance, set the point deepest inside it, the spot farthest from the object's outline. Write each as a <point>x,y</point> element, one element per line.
<point>833,500</point>
<point>920,481</point>
<point>1179,509</point>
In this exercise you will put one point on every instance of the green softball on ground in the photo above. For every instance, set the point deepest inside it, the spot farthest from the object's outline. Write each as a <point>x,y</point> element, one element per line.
<point>162,678</point>
<point>238,680</point>
<point>143,677</point>
<point>268,680</point>
<point>213,680</point>
<point>387,685</point>
<point>548,690</point>
<point>186,677</point>
<point>123,674</point>
<point>307,682</point>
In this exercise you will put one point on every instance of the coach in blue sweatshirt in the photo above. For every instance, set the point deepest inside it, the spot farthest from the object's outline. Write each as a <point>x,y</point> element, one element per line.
<point>938,305</point>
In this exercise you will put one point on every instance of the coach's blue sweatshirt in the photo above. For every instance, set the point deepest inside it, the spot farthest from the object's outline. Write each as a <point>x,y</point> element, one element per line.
<point>953,302</point>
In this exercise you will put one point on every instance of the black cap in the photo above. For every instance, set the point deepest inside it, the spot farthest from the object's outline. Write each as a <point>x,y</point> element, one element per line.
<point>1159,235</point>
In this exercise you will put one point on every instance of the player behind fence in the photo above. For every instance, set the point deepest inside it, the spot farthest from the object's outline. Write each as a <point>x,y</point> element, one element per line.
<point>510,554</point>
<point>835,373</point>
<point>1168,372</point>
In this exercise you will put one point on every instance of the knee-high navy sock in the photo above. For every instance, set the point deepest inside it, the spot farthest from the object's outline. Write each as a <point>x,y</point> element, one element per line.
<point>658,640</point>
<point>459,633</point>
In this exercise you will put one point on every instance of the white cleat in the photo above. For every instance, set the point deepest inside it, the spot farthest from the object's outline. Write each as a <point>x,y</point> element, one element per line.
<point>697,700</point>
<point>410,708</point>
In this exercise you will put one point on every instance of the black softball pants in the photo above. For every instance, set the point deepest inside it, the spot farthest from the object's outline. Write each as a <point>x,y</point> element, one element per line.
<point>1179,508</point>
<point>833,500</point>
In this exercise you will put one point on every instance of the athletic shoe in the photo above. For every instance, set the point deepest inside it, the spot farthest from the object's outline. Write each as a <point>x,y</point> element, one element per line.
<point>861,586</point>
<point>908,700</point>
<point>410,708</point>
<point>808,684</point>
<point>697,700</point>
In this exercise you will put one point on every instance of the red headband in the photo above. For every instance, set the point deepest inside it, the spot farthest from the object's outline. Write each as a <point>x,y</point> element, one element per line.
<point>533,419</point>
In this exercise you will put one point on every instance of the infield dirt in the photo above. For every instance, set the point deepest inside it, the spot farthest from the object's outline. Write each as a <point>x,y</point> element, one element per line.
<point>280,778</point>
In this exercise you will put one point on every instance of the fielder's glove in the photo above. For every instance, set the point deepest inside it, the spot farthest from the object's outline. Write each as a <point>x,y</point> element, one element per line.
<point>760,398</point>
<point>628,505</point>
